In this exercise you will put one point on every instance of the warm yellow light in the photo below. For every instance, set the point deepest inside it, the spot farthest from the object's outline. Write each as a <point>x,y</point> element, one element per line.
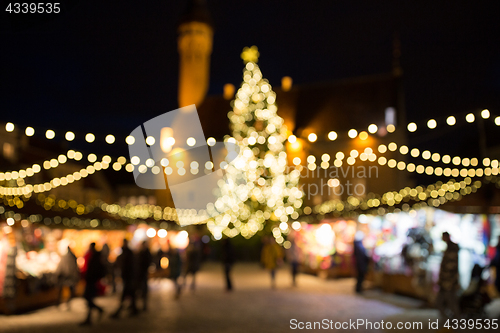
<point>372,128</point>
<point>363,135</point>
<point>391,128</point>
<point>286,83</point>
<point>292,138</point>
<point>228,91</point>
<point>451,120</point>
<point>50,134</point>
<point>497,121</point>
<point>30,131</point>
<point>485,114</point>
<point>211,141</point>
<point>352,133</point>
<point>151,232</point>
<point>332,135</point>
<point>150,140</point>
<point>92,158</point>
<point>312,137</point>
<point>89,137</point>
<point>110,138</point>
<point>432,124</point>
<point>470,118</point>
<point>296,145</point>
<point>9,127</point>
<point>296,160</point>
<point>164,263</point>
<point>69,136</point>
<point>130,140</point>
<point>191,141</point>
<point>412,127</point>
<point>166,139</point>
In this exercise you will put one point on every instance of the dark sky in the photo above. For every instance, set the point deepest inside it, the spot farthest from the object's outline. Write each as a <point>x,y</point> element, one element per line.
<point>106,66</point>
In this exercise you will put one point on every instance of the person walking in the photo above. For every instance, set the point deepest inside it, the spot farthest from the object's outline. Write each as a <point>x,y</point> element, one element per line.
<point>145,259</point>
<point>361,260</point>
<point>293,256</point>
<point>175,265</point>
<point>228,259</point>
<point>110,272</point>
<point>447,299</point>
<point>94,271</point>
<point>271,256</point>
<point>193,261</point>
<point>126,264</point>
<point>68,275</point>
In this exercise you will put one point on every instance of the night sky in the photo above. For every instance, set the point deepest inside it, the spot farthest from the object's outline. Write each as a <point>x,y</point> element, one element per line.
<point>107,66</point>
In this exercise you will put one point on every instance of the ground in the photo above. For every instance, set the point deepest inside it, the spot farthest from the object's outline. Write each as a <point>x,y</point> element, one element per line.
<point>252,307</point>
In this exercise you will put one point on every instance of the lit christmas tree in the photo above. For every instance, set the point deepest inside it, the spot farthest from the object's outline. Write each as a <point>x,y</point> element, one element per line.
<point>259,190</point>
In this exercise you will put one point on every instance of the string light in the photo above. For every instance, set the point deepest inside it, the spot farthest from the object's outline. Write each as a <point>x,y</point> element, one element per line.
<point>30,131</point>
<point>50,134</point>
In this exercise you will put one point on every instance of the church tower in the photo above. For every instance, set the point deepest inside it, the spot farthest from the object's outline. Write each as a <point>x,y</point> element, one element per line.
<point>195,37</point>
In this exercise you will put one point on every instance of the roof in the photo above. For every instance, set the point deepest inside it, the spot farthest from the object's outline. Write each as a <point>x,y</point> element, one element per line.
<point>338,105</point>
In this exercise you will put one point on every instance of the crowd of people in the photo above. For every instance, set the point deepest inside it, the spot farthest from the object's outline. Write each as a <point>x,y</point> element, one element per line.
<point>133,269</point>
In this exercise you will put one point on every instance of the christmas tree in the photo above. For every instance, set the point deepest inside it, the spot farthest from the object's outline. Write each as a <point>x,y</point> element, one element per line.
<point>260,189</point>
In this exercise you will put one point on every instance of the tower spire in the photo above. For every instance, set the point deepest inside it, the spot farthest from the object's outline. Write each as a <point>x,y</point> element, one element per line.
<point>194,43</point>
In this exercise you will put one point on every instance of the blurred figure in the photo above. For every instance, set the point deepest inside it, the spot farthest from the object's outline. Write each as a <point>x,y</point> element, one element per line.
<point>94,271</point>
<point>68,275</point>
<point>271,256</point>
<point>447,300</point>
<point>496,263</point>
<point>175,265</point>
<point>361,260</point>
<point>193,260</point>
<point>125,263</point>
<point>228,259</point>
<point>293,256</point>
<point>144,261</point>
<point>475,297</point>
<point>110,272</point>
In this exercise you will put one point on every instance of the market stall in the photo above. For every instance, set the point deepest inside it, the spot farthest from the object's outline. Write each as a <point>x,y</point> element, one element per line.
<point>327,247</point>
<point>407,248</point>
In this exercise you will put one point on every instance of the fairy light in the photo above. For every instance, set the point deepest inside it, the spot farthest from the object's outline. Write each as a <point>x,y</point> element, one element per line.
<point>372,128</point>
<point>50,134</point>
<point>69,136</point>
<point>89,137</point>
<point>451,120</point>
<point>432,124</point>
<point>30,131</point>
<point>312,137</point>
<point>332,135</point>
<point>412,127</point>
<point>352,133</point>
<point>470,118</point>
<point>110,139</point>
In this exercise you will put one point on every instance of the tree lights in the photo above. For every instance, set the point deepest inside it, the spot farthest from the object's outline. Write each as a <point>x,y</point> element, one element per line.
<point>271,195</point>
